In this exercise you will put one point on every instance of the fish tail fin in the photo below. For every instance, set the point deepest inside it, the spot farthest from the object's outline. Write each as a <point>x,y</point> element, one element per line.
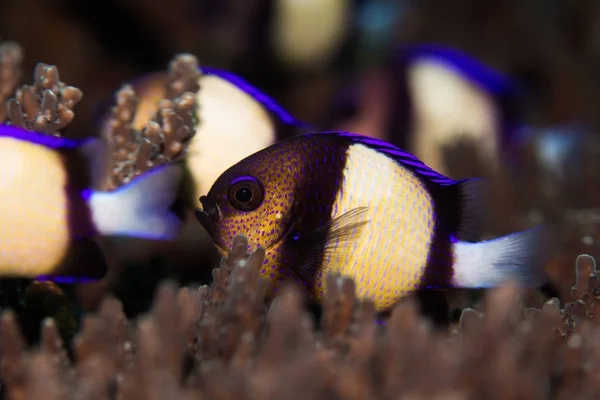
<point>519,256</point>
<point>141,208</point>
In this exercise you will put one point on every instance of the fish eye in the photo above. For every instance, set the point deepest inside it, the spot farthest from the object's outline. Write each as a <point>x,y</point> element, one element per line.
<point>246,193</point>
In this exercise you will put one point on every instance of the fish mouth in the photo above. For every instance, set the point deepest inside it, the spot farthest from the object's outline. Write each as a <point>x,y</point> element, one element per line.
<point>209,214</point>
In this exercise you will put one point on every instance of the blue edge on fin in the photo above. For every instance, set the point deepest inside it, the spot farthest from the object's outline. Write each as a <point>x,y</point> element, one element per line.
<point>65,279</point>
<point>52,142</point>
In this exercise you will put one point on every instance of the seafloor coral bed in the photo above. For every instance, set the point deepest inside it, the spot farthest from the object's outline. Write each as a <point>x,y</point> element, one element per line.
<point>221,342</point>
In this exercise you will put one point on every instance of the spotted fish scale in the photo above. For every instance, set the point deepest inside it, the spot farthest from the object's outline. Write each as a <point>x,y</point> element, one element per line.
<point>387,258</point>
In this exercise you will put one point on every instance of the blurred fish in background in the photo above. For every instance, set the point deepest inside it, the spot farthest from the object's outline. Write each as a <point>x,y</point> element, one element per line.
<point>52,206</point>
<point>50,211</point>
<point>57,206</point>
<point>455,97</point>
<point>431,97</point>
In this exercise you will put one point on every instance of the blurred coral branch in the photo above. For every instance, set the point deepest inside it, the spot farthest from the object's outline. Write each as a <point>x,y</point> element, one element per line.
<point>165,137</point>
<point>221,343</point>
<point>47,105</point>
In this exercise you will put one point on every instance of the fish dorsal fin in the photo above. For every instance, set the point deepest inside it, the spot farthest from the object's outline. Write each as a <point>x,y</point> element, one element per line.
<point>403,157</point>
<point>466,194</point>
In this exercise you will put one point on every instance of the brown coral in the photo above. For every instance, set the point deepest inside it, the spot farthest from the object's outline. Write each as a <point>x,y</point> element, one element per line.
<point>47,105</point>
<point>220,342</point>
<point>164,138</point>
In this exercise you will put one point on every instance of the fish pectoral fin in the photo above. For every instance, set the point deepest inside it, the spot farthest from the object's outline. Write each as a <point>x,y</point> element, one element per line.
<point>326,242</point>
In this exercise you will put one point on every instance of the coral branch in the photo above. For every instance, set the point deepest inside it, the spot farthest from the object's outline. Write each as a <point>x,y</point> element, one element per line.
<point>220,342</point>
<point>165,137</point>
<point>47,105</point>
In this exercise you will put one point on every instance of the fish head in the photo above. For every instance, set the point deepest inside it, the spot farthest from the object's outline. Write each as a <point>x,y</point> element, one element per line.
<point>254,198</point>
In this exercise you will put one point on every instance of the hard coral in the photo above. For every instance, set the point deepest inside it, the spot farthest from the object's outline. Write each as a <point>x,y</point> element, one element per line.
<point>47,105</point>
<point>220,342</point>
<point>165,137</point>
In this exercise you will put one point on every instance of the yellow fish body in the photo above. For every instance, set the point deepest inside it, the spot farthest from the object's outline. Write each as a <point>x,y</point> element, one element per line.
<point>343,203</point>
<point>50,212</point>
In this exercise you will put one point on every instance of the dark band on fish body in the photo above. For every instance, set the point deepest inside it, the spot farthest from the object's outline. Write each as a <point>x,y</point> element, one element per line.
<point>84,258</point>
<point>439,270</point>
<point>324,183</point>
<point>80,216</point>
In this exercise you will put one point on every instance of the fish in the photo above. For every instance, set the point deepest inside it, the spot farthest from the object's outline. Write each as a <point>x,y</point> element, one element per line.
<point>434,96</point>
<point>51,214</point>
<point>348,204</point>
<point>235,119</point>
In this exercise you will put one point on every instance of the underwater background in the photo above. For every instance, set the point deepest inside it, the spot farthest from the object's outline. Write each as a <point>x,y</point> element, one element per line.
<point>344,76</point>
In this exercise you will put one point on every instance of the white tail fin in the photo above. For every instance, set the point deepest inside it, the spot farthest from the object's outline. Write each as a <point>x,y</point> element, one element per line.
<point>518,256</point>
<point>140,208</point>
